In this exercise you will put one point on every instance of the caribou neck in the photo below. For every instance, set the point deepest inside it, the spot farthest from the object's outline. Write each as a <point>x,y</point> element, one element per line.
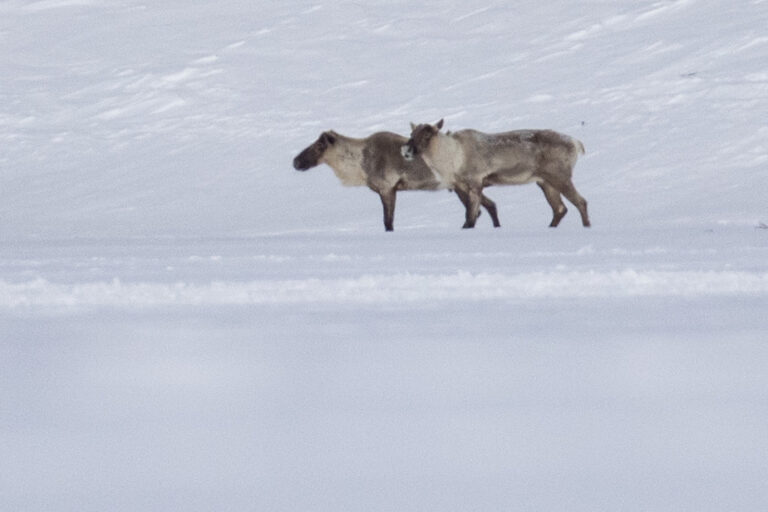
<point>345,157</point>
<point>445,157</point>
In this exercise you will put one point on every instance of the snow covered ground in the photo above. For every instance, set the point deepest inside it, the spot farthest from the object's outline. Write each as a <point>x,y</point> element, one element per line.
<point>186,323</point>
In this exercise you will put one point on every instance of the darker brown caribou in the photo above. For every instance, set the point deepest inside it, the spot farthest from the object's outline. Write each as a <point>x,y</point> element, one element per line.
<point>377,162</point>
<point>469,161</point>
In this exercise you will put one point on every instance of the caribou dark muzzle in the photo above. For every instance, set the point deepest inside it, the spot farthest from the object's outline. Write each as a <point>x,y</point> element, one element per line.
<point>299,165</point>
<point>302,162</point>
<point>408,150</point>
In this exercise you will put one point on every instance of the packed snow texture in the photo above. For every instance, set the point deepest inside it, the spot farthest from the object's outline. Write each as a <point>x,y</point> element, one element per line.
<point>187,323</point>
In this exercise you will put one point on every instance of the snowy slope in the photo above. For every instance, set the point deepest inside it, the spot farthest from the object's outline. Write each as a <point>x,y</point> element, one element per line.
<point>186,323</point>
<point>123,118</point>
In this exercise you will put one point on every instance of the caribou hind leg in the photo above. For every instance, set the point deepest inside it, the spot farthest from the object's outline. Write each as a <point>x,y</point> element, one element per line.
<point>555,201</point>
<point>490,207</point>
<point>571,194</point>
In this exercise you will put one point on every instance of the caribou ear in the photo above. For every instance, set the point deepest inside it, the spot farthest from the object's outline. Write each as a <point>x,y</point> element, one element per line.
<point>439,124</point>
<point>329,138</point>
<point>413,126</point>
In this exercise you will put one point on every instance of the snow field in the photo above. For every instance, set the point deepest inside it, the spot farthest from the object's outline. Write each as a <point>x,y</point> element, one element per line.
<point>186,323</point>
<point>371,268</point>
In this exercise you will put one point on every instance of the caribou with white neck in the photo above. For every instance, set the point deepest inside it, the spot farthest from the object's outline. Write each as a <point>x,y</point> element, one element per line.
<point>469,160</point>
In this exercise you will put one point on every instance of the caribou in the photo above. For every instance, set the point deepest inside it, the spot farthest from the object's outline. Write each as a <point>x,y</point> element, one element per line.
<point>469,160</point>
<point>378,163</point>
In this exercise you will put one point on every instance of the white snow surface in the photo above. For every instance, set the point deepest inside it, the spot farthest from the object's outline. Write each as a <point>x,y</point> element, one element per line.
<point>187,323</point>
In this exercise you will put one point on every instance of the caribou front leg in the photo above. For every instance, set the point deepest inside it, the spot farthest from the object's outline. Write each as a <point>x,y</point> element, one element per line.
<point>485,201</point>
<point>388,197</point>
<point>464,198</point>
<point>472,199</point>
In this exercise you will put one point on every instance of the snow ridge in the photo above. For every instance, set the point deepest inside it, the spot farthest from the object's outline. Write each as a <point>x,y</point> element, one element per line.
<point>390,289</point>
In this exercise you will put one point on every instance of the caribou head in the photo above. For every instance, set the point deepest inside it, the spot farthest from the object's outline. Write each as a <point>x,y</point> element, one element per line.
<point>421,135</point>
<point>313,154</point>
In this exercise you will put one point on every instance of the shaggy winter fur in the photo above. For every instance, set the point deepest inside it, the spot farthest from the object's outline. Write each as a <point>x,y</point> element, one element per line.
<point>469,160</point>
<point>377,162</point>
